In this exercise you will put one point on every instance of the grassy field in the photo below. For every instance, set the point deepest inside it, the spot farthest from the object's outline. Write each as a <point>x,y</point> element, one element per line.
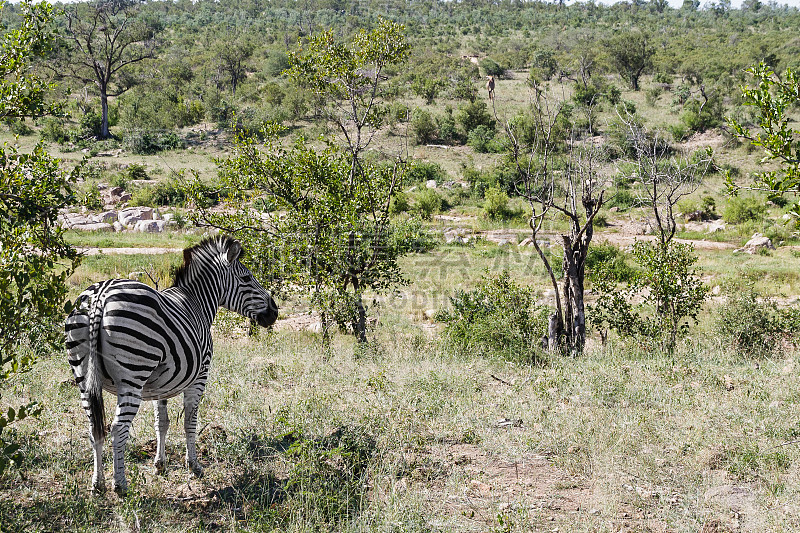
<point>405,436</point>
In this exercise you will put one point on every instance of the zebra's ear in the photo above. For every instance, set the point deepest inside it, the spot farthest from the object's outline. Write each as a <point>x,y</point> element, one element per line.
<point>234,252</point>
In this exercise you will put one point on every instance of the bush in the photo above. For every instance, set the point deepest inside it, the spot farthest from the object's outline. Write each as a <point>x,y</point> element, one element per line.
<point>427,203</point>
<point>53,130</point>
<point>422,171</point>
<point>480,139</point>
<point>399,203</point>
<point>740,210</point>
<point>150,142</point>
<point>474,114</point>
<point>606,261</point>
<point>423,127</point>
<point>492,68</point>
<point>497,319</point>
<point>495,206</point>
<point>667,288</point>
<point>752,326</point>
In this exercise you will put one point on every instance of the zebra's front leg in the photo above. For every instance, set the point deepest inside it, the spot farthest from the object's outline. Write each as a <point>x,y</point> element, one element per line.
<point>161,426</point>
<point>128,403</point>
<point>191,402</point>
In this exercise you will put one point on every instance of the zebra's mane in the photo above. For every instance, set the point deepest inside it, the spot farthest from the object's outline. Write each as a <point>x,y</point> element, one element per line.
<point>219,244</point>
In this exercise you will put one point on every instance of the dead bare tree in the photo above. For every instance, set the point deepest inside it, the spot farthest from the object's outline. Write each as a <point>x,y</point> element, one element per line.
<point>573,192</point>
<point>663,176</point>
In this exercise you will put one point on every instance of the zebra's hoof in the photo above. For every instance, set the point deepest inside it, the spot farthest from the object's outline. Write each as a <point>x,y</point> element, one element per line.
<point>196,469</point>
<point>160,466</point>
<point>121,488</point>
<point>99,486</point>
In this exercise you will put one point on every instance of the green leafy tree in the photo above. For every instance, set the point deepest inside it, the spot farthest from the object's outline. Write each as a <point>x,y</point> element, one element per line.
<point>668,289</point>
<point>35,262</point>
<point>773,99</point>
<point>347,77</point>
<point>333,239</point>
<point>104,40</point>
<point>631,55</point>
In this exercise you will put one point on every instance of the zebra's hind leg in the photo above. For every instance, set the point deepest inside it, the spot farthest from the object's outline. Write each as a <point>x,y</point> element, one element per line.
<point>128,403</point>
<point>162,426</point>
<point>97,436</point>
<point>191,401</point>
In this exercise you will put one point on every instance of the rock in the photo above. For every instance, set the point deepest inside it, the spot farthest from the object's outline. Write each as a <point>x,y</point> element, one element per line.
<point>430,313</point>
<point>697,216</point>
<point>716,290</point>
<point>149,226</point>
<point>713,228</point>
<point>614,209</point>
<point>68,220</point>
<point>430,184</point>
<point>132,215</point>
<point>94,226</point>
<point>109,217</point>
<point>757,242</point>
<point>732,496</point>
<point>168,217</point>
<point>527,241</point>
<point>501,238</point>
<point>116,191</point>
<point>118,226</point>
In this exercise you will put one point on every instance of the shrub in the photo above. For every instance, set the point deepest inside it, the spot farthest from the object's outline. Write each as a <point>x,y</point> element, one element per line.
<point>53,130</point>
<point>399,203</point>
<point>427,203</point>
<point>495,206</point>
<point>753,326</point>
<point>497,319</point>
<point>135,171</point>
<point>606,261</point>
<point>623,199</point>
<point>740,210</point>
<point>474,114</point>
<point>422,171</point>
<point>150,142</point>
<point>480,138</point>
<point>492,68</point>
<point>667,288</point>
<point>423,126</point>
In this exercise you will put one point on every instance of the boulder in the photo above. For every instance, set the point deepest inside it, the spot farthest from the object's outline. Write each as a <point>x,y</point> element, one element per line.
<point>132,215</point>
<point>109,217</point>
<point>118,226</point>
<point>501,238</point>
<point>757,242</point>
<point>430,184</point>
<point>149,226</point>
<point>94,226</point>
<point>69,220</point>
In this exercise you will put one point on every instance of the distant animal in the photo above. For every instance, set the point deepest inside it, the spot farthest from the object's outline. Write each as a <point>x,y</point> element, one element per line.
<point>141,344</point>
<point>490,86</point>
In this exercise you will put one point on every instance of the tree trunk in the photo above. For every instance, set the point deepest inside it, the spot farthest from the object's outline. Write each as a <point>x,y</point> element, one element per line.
<point>104,132</point>
<point>553,332</point>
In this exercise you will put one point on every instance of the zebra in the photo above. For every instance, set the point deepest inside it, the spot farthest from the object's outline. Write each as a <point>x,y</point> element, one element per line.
<point>141,344</point>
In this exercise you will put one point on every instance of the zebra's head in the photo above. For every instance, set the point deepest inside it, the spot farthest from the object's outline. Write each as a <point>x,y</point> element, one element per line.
<point>244,294</point>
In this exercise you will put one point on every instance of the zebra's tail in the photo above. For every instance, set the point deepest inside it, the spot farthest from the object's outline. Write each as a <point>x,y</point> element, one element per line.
<point>94,378</point>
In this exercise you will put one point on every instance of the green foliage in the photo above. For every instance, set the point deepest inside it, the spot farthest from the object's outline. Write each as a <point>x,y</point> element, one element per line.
<point>421,171</point>
<point>631,54</point>
<point>427,203</point>
<point>150,142</point>
<point>35,261</point>
<point>482,139</point>
<point>701,116</point>
<point>495,205</point>
<point>328,477</point>
<point>22,93</point>
<point>33,286</point>
<point>499,318</point>
<point>423,127</point>
<point>167,192</point>
<point>774,98</point>
<point>427,88</point>
<point>668,287</point>
<point>607,262</point>
<point>473,114</point>
<point>754,326</point>
<point>53,130</point>
<point>492,68</point>
<point>739,210</point>
<point>336,237</point>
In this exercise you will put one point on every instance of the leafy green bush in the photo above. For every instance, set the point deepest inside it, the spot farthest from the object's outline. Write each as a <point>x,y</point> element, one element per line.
<point>399,203</point>
<point>753,326</point>
<point>423,126</point>
<point>623,199</point>
<point>135,171</point>
<point>606,261</point>
<point>492,68</point>
<point>473,114</point>
<point>740,210</point>
<point>427,203</point>
<point>495,205</point>
<point>53,130</point>
<point>150,142</point>
<point>668,290</point>
<point>480,139</point>
<point>421,171</point>
<point>497,319</point>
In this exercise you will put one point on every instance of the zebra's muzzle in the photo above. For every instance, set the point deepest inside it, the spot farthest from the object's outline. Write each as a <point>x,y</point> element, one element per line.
<point>268,317</point>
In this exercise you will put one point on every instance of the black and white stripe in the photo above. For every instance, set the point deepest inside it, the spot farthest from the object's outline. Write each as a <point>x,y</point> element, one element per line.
<point>142,344</point>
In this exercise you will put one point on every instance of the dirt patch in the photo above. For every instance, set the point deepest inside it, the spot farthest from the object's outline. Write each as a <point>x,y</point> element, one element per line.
<point>706,139</point>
